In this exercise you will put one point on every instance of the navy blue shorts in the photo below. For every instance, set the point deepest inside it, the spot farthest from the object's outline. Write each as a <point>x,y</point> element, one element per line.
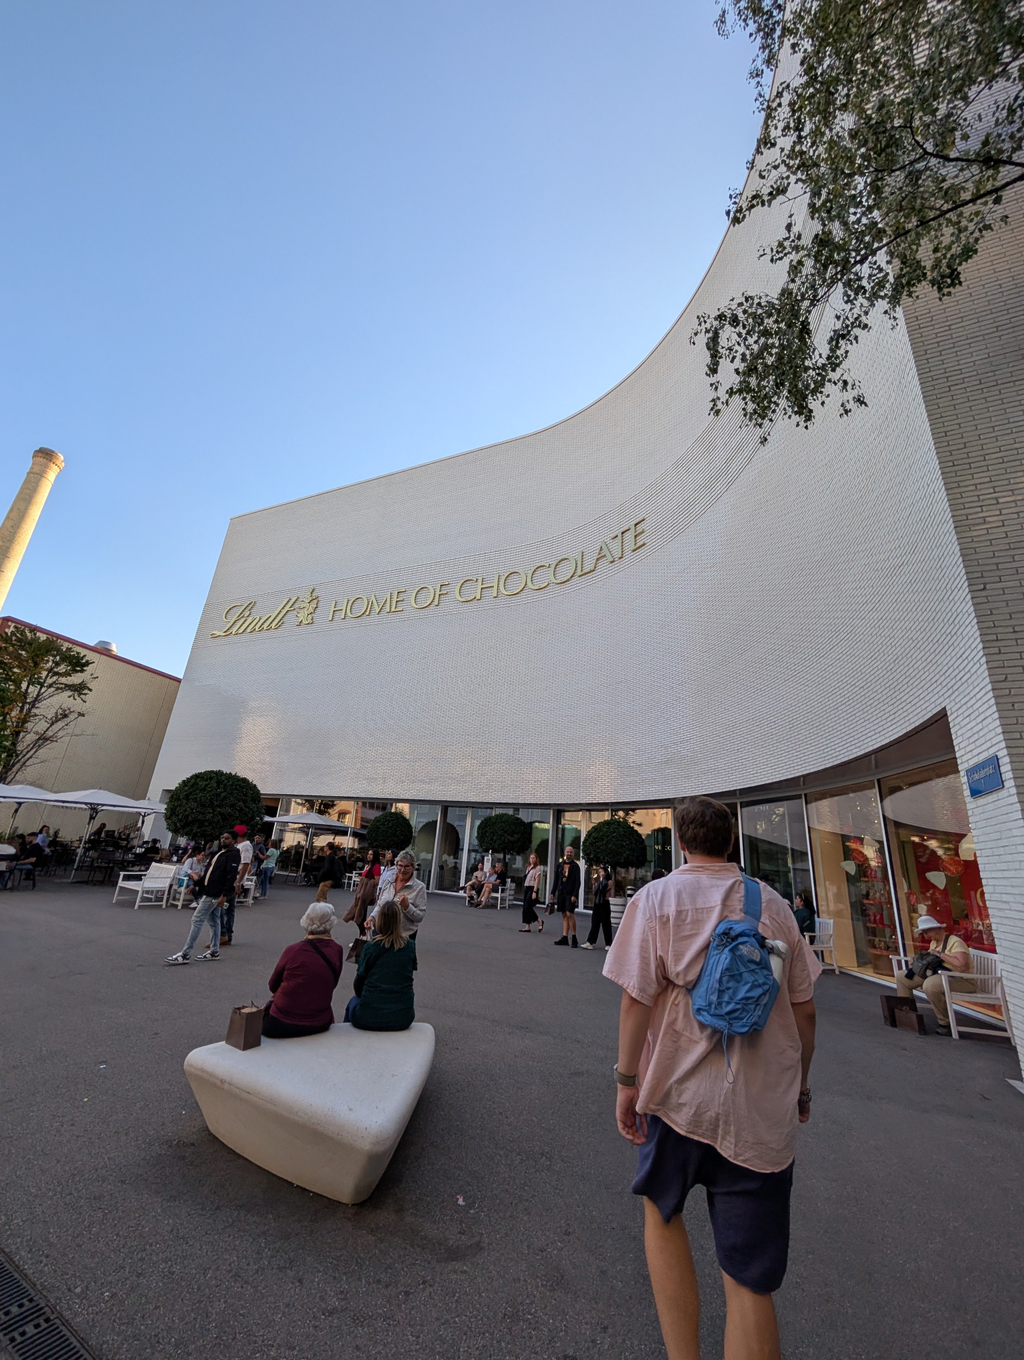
<point>749,1209</point>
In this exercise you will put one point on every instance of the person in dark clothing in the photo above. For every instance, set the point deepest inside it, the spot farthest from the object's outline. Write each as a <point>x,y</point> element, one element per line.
<point>216,885</point>
<point>803,910</point>
<point>384,996</point>
<point>565,893</point>
<point>602,917</point>
<point>305,978</point>
<point>332,873</point>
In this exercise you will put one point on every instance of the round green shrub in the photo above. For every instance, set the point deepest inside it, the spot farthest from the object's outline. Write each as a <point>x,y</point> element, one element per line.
<point>390,831</point>
<point>615,842</point>
<point>205,805</point>
<point>503,833</point>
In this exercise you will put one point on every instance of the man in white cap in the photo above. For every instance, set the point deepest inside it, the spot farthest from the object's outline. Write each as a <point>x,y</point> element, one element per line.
<point>950,950</point>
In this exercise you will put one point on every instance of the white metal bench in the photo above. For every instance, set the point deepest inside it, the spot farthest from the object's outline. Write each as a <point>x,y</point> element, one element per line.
<point>151,888</point>
<point>325,1112</point>
<point>821,941</point>
<point>986,974</point>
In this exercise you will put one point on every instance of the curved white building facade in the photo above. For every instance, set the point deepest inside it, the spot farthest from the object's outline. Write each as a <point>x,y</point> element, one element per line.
<point>641,603</point>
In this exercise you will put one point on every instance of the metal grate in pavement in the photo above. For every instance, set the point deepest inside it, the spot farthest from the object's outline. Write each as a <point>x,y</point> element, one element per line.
<point>30,1326</point>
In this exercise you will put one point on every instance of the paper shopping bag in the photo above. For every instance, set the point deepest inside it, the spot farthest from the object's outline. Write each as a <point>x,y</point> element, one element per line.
<point>245,1028</point>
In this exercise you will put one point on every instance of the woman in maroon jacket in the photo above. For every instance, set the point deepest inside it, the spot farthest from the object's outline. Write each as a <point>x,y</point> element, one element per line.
<point>305,978</point>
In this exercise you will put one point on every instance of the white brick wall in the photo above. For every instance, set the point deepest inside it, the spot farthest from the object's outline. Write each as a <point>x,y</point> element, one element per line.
<point>796,605</point>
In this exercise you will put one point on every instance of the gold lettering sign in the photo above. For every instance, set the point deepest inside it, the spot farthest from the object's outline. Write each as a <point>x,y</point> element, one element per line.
<point>239,618</point>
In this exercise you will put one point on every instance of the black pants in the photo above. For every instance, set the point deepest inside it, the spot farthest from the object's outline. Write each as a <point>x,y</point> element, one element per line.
<point>227,917</point>
<point>529,909</point>
<point>273,1028</point>
<point>602,917</point>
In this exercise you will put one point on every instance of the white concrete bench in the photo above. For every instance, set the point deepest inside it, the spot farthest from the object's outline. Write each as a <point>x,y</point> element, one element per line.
<point>325,1112</point>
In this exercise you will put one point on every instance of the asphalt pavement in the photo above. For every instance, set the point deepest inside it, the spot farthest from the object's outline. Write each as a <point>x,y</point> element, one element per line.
<point>504,1228</point>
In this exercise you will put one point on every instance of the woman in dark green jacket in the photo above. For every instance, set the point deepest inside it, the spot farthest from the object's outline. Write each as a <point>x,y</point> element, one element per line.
<point>384,995</point>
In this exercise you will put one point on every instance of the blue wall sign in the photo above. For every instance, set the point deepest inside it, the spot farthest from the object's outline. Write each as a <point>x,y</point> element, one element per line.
<point>985,777</point>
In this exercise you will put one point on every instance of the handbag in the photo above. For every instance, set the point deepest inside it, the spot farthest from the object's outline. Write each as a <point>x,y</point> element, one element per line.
<point>355,949</point>
<point>245,1027</point>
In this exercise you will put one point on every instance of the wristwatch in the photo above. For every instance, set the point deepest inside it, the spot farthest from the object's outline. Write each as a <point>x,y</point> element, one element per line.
<point>621,1077</point>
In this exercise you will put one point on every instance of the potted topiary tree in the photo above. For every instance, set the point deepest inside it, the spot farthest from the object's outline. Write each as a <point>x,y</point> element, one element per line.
<point>503,833</point>
<point>205,805</point>
<point>616,843</point>
<point>390,831</point>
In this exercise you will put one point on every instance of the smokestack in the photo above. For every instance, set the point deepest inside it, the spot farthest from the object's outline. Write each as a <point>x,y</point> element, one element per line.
<point>20,521</point>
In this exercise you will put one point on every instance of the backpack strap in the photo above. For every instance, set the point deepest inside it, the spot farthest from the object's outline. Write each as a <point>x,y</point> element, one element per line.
<point>330,965</point>
<point>752,900</point>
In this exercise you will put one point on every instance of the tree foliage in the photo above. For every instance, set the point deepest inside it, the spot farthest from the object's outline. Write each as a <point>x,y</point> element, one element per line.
<point>389,831</point>
<point>503,833</point>
<point>205,805</point>
<point>42,695</point>
<point>890,138</point>
<point>615,842</point>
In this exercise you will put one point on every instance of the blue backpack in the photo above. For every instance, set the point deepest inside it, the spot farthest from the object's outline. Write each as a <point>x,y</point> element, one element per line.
<point>736,989</point>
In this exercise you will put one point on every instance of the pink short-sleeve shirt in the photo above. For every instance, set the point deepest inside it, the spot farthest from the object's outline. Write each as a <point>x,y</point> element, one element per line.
<point>656,956</point>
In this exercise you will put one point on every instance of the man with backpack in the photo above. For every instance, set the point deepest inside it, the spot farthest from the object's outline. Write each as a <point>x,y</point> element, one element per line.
<point>716,1034</point>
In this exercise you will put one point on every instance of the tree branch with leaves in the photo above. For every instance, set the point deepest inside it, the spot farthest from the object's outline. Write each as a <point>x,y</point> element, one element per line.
<point>891,147</point>
<point>42,696</point>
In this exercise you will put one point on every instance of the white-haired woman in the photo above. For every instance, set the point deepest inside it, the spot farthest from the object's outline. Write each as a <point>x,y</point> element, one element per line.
<point>405,889</point>
<point>305,978</point>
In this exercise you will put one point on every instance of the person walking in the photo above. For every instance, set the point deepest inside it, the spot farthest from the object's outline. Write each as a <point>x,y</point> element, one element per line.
<point>531,888</point>
<point>216,885</point>
<point>269,867</point>
<point>602,916</point>
<point>227,914</point>
<point>366,892</point>
<point>565,893</point>
<point>259,855</point>
<point>704,1109</point>
<point>330,875</point>
<point>305,978</point>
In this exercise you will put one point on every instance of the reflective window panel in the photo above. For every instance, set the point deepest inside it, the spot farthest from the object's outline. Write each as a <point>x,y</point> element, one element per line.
<point>852,877</point>
<point>933,855</point>
<point>775,846</point>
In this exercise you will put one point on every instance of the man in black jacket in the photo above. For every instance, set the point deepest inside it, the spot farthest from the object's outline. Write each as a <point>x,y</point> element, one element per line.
<point>216,886</point>
<point>565,891</point>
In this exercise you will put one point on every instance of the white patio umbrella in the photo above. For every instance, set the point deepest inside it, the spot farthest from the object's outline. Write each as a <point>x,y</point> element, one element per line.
<point>314,822</point>
<point>19,794</point>
<point>96,800</point>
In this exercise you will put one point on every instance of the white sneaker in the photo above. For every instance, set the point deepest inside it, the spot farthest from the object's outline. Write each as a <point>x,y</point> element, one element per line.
<point>586,946</point>
<point>177,958</point>
<point>606,948</point>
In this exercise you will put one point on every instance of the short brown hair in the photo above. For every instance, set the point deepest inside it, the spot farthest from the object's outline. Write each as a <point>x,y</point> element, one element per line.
<point>704,826</point>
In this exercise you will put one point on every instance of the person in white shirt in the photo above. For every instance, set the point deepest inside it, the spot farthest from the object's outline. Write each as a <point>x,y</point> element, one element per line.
<point>43,836</point>
<point>227,913</point>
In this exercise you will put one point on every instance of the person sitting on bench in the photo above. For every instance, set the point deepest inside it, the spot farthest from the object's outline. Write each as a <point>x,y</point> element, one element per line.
<point>384,996</point>
<point>949,953</point>
<point>305,978</point>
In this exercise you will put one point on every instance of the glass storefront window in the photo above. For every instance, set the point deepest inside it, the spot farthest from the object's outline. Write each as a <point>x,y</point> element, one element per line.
<point>852,877</point>
<point>424,829</point>
<point>537,820</point>
<point>775,846</point>
<point>452,848</point>
<point>933,855</point>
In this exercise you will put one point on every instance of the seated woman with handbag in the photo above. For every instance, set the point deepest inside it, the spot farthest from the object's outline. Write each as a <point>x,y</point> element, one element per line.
<point>305,978</point>
<point>384,996</point>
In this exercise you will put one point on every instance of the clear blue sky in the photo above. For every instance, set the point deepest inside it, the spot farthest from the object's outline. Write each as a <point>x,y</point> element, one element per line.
<point>253,250</point>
